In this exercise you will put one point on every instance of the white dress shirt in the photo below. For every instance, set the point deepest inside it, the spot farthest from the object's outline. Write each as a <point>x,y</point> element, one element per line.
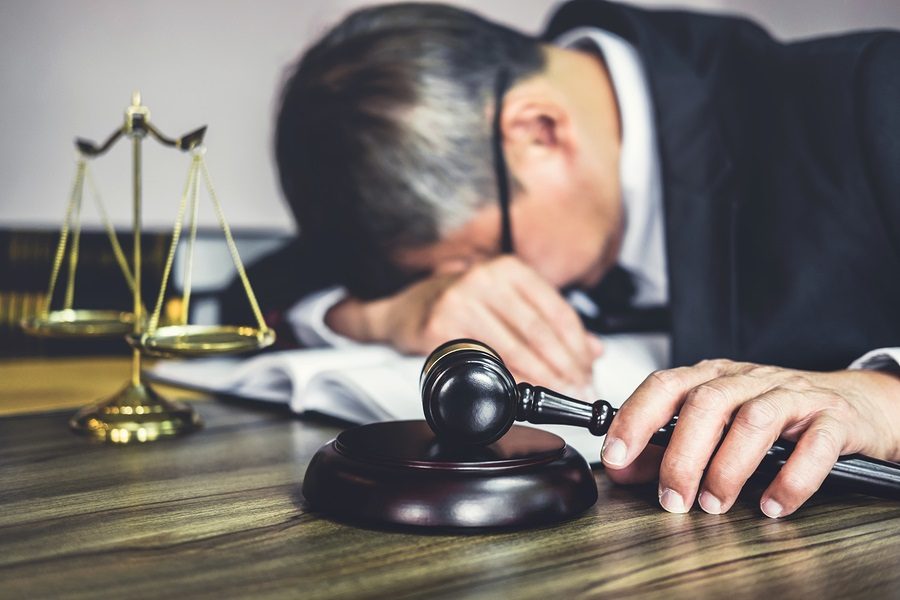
<point>643,242</point>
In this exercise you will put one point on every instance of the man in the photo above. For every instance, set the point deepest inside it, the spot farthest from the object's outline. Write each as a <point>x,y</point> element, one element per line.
<point>749,186</point>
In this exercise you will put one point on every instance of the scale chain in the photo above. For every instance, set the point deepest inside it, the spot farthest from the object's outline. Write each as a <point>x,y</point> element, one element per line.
<point>64,234</point>
<point>232,247</point>
<point>110,230</point>
<point>76,245</point>
<point>192,239</point>
<point>176,235</point>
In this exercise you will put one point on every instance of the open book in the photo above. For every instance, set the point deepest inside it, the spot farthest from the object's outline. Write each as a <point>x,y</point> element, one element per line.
<point>367,384</point>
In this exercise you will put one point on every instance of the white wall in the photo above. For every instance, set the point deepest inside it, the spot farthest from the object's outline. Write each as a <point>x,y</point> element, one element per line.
<point>67,68</point>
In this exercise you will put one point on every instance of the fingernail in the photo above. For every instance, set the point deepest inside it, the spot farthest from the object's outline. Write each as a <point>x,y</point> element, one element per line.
<point>771,508</point>
<point>672,501</point>
<point>614,452</point>
<point>710,503</point>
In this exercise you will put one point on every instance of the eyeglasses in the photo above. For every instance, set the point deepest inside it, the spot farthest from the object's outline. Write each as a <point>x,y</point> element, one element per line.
<point>500,170</point>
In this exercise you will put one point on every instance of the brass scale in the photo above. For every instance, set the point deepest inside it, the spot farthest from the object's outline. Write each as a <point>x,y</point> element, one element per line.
<point>137,413</point>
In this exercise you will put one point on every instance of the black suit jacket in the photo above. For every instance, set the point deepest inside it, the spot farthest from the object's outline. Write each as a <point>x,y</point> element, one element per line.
<point>781,179</point>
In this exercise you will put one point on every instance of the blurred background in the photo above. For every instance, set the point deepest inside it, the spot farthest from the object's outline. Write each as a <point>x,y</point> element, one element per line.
<point>68,67</point>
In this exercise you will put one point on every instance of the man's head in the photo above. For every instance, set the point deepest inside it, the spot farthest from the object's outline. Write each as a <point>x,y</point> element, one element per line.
<point>384,148</point>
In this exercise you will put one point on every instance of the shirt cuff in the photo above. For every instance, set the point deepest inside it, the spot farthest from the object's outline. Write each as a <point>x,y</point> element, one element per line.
<point>307,317</point>
<point>883,359</point>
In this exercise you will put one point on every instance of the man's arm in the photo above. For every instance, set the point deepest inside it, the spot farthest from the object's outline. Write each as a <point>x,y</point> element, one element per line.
<point>501,302</point>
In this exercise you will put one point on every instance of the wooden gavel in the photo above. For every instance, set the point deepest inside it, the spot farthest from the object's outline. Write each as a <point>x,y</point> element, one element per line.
<point>470,398</point>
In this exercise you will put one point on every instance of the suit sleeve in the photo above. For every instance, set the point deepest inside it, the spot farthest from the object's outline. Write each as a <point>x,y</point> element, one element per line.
<point>879,122</point>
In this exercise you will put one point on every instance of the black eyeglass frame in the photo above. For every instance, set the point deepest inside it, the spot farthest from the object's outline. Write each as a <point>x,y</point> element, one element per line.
<point>500,169</point>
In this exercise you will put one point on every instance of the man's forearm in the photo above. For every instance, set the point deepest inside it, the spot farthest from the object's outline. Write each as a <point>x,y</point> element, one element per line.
<point>349,318</point>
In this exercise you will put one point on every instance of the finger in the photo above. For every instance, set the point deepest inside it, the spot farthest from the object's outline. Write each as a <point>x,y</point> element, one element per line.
<point>755,427</point>
<point>596,346</point>
<point>558,313</point>
<point>532,328</point>
<point>518,356</point>
<point>651,406</point>
<point>809,464</point>
<point>644,468</point>
<point>702,419</point>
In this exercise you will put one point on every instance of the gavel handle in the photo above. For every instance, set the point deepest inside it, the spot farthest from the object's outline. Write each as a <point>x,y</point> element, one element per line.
<point>853,472</point>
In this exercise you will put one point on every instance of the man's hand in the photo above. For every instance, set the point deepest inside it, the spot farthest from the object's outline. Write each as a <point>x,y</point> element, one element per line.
<point>501,302</point>
<point>827,414</point>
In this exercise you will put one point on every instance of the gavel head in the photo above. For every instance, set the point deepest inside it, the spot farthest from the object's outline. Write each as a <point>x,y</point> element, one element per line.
<point>468,394</point>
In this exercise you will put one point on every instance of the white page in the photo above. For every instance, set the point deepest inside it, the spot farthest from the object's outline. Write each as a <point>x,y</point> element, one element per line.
<point>204,374</point>
<point>272,377</point>
<point>628,358</point>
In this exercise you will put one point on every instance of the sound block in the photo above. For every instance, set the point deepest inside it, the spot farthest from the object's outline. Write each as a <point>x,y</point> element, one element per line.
<point>398,473</point>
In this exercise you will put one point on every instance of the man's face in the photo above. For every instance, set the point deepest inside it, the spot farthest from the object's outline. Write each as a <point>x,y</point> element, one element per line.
<point>560,139</point>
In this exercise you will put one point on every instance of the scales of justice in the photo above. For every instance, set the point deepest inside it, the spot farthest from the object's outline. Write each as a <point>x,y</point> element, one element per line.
<point>137,412</point>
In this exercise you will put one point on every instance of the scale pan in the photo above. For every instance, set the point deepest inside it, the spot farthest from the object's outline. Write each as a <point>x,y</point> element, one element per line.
<point>80,323</point>
<point>204,340</point>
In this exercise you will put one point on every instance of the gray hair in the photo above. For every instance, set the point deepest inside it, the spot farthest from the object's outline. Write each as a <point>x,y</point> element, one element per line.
<point>383,139</point>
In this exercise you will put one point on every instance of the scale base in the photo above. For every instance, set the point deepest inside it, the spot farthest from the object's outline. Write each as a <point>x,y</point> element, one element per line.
<point>137,413</point>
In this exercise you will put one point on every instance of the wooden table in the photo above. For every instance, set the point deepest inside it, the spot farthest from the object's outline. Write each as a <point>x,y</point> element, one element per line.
<point>34,384</point>
<point>219,514</point>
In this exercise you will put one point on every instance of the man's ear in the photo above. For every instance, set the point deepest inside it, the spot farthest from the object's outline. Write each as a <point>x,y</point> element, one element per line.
<point>536,135</point>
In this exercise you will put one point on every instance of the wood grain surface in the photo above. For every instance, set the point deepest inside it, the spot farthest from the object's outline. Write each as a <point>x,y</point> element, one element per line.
<point>219,514</point>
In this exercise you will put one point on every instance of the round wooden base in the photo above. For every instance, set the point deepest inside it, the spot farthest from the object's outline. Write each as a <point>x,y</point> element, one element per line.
<point>398,473</point>
<point>134,415</point>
